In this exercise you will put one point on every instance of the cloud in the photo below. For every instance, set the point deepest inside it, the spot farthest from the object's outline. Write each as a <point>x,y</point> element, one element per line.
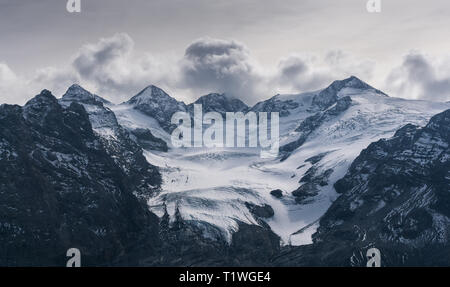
<point>6,74</point>
<point>15,89</point>
<point>109,67</point>
<point>99,61</point>
<point>300,73</point>
<point>113,69</point>
<point>306,72</point>
<point>214,65</point>
<point>54,79</point>
<point>420,77</point>
<point>341,64</point>
<point>10,85</point>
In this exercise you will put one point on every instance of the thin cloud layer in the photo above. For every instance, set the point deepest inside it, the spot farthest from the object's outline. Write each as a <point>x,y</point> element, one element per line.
<point>307,72</point>
<point>419,77</point>
<point>220,66</point>
<point>10,85</point>
<point>112,68</point>
<point>300,73</point>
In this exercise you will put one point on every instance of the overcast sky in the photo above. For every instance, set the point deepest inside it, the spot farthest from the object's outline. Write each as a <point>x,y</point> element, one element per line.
<point>251,49</point>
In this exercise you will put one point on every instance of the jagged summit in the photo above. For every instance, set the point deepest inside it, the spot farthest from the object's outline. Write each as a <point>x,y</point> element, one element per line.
<point>150,93</point>
<point>43,96</point>
<point>330,95</point>
<point>212,97</point>
<point>77,93</point>
<point>215,102</point>
<point>351,82</point>
<point>45,93</point>
<point>355,83</point>
<point>156,103</point>
<point>77,87</point>
<point>41,106</point>
<point>288,104</point>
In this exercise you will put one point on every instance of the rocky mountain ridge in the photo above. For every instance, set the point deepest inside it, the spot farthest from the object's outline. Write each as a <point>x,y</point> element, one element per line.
<point>94,174</point>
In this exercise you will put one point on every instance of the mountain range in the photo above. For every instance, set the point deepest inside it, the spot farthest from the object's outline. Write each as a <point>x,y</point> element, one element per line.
<point>357,169</point>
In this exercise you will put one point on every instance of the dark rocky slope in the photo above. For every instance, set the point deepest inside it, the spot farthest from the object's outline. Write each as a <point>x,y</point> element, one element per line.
<point>124,147</point>
<point>61,188</point>
<point>395,197</point>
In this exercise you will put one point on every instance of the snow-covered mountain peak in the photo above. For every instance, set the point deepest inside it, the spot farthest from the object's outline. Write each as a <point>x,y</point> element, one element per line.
<point>354,83</point>
<point>77,93</point>
<point>215,102</point>
<point>76,88</point>
<point>149,94</point>
<point>154,102</point>
<point>211,97</point>
<point>341,88</point>
<point>286,104</point>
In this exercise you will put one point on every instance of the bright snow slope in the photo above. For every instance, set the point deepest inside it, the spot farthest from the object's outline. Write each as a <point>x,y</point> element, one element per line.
<point>211,186</point>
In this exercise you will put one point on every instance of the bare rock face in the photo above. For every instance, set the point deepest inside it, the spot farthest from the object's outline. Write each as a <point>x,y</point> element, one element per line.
<point>147,140</point>
<point>278,193</point>
<point>260,211</point>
